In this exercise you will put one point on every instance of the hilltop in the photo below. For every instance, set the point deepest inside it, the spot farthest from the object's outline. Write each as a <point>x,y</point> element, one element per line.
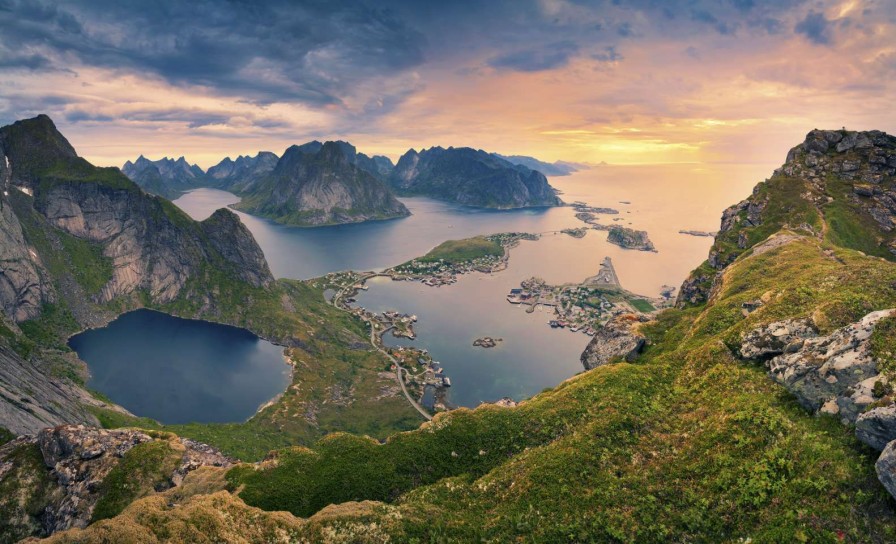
<point>314,185</point>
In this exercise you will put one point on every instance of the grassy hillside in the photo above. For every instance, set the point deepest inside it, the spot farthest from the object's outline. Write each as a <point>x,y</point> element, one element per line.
<point>686,444</point>
<point>456,251</point>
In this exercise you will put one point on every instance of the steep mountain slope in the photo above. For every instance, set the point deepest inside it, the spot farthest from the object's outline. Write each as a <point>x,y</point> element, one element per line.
<point>165,177</point>
<point>242,174</point>
<point>836,184</point>
<point>78,241</point>
<point>471,177</point>
<point>690,442</point>
<point>313,186</point>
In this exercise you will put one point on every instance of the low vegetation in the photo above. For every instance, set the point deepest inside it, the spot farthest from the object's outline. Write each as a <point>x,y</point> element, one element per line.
<point>143,469</point>
<point>469,249</point>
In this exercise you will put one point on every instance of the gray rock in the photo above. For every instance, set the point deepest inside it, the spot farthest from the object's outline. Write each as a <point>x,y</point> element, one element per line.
<point>615,341</point>
<point>830,372</point>
<point>877,427</point>
<point>886,468</point>
<point>776,338</point>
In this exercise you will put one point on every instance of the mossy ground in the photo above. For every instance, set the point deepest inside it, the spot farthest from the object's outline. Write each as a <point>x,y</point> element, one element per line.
<point>24,491</point>
<point>687,444</point>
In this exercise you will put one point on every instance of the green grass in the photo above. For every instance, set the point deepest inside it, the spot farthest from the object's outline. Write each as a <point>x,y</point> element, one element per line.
<point>688,444</point>
<point>883,345</point>
<point>50,329</point>
<point>143,468</point>
<point>6,435</point>
<point>642,305</point>
<point>456,251</point>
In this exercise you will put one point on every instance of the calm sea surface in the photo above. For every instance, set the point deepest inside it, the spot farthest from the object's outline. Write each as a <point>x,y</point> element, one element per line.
<point>659,199</point>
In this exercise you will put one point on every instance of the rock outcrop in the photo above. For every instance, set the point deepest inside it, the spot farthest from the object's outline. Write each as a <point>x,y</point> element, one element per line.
<point>834,374</point>
<point>618,340</point>
<point>79,461</point>
<point>323,187</point>
<point>472,178</point>
<point>877,427</point>
<point>854,170</point>
<point>886,468</point>
<point>776,338</point>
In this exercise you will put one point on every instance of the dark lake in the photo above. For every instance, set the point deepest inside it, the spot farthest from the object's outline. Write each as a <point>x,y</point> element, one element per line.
<point>181,370</point>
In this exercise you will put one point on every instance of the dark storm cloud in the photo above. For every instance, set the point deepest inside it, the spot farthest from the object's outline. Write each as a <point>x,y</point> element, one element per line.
<point>815,27</point>
<point>548,57</point>
<point>311,51</point>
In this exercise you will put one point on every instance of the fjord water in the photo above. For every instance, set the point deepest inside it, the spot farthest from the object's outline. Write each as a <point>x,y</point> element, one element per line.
<point>660,199</point>
<point>181,370</point>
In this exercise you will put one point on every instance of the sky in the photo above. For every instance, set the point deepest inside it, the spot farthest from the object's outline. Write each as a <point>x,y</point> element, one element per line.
<point>623,82</point>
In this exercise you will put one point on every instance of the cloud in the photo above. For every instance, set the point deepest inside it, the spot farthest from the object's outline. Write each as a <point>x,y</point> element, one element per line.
<point>312,52</point>
<point>816,27</point>
<point>555,55</point>
<point>609,54</point>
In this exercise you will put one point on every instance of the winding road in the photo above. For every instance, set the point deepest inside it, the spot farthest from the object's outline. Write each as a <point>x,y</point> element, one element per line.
<point>373,333</point>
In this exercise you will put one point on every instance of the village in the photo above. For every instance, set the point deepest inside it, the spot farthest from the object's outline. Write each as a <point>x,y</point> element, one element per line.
<point>584,307</point>
<point>436,272</point>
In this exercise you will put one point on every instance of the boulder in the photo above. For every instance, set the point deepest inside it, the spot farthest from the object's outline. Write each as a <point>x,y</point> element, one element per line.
<point>877,427</point>
<point>886,468</point>
<point>616,341</point>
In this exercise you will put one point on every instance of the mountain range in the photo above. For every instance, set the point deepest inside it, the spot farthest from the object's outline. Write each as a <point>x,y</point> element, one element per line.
<point>760,408</point>
<point>338,194</point>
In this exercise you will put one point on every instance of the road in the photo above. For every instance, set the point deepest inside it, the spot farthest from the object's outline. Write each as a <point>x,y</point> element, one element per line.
<point>398,368</point>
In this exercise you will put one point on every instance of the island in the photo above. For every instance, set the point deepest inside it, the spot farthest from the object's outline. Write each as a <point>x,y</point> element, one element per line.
<point>705,233</point>
<point>627,238</point>
<point>442,265</point>
<point>487,342</point>
<point>584,307</point>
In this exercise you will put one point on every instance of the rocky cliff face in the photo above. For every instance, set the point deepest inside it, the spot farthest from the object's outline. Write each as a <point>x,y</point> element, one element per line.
<point>471,177</point>
<point>323,187</point>
<point>152,245</point>
<point>165,177</point>
<point>837,184</point>
<point>79,236</point>
<point>76,474</point>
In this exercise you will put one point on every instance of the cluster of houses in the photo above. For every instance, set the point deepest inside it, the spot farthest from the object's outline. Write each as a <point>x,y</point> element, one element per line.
<point>432,372</point>
<point>438,273</point>
<point>578,308</point>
